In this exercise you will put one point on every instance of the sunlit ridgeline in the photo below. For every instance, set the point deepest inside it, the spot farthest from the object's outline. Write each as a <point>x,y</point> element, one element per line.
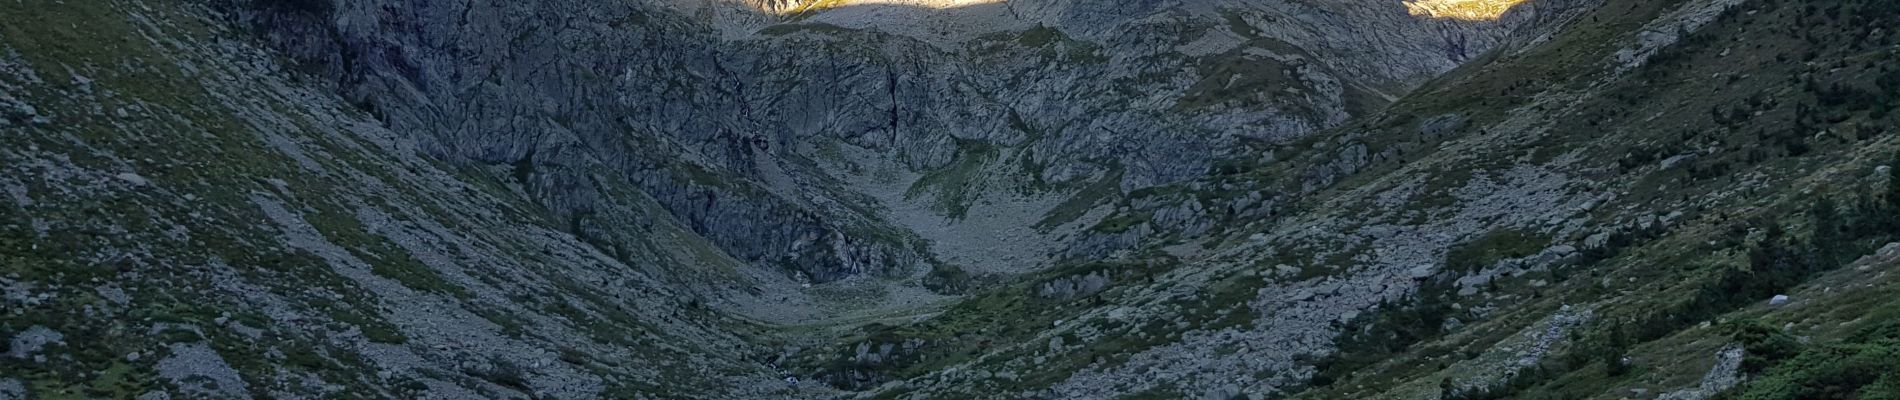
<point>1468,10</point>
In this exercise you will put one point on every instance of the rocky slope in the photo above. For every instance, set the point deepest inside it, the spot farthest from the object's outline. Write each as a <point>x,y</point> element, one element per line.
<point>184,216</point>
<point>1021,199</point>
<point>737,125</point>
<point>1586,216</point>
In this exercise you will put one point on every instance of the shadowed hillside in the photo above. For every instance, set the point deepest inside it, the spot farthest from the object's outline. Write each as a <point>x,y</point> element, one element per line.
<point>1050,199</point>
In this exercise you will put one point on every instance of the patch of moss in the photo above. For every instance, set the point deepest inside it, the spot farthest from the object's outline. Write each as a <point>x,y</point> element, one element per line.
<point>1104,190</point>
<point>957,186</point>
<point>385,258</point>
<point>1490,248</point>
<point>1122,222</point>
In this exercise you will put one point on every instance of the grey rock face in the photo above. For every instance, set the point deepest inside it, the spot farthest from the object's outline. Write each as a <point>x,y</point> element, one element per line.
<point>335,260</point>
<point>11,389</point>
<point>29,342</point>
<point>704,114</point>
<point>488,83</point>
<point>198,370</point>
<point>1073,286</point>
<point>1726,374</point>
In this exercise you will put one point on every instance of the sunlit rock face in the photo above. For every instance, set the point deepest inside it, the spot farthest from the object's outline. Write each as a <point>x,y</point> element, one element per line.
<point>799,6</point>
<point>1467,10</point>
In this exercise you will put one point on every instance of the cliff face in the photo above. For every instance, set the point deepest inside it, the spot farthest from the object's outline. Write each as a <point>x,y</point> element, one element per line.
<point>733,121</point>
<point>184,216</point>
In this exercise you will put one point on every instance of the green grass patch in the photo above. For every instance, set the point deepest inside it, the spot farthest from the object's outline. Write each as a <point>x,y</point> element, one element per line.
<point>385,258</point>
<point>957,185</point>
<point>1104,190</point>
<point>1489,249</point>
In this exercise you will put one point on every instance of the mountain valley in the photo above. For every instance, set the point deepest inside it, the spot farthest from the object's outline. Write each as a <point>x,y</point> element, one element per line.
<point>925,199</point>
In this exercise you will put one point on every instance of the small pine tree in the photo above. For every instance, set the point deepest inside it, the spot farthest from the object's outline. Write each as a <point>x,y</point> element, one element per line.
<point>1892,209</point>
<point>1826,218</point>
<point>1618,345</point>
